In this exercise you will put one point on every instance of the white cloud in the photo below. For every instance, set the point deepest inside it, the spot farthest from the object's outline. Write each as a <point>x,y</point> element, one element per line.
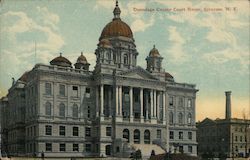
<point>176,50</point>
<point>140,25</point>
<point>20,32</point>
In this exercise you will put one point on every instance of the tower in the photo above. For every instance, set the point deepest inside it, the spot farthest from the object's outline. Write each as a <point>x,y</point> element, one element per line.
<point>116,48</point>
<point>228,104</point>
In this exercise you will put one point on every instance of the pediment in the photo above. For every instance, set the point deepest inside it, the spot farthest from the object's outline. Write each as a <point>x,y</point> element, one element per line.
<point>138,73</point>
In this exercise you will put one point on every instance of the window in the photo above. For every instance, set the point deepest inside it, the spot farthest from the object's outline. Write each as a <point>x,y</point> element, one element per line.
<point>75,131</point>
<point>62,147</point>
<point>47,88</point>
<point>189,118</point>
<point>88,147</point>
<point>87,131</point>
<point>236,138</point>
<point>62,90</point>
<point>62,130</point>
<point>48,130</point>
<point>189,103</point>
<point>180,135</point>
<point>117,149</point>
<point>171,135</point>
<point>48,147</point>
<point>87,92</point>
<point>108,131</point>
<point>126,134</point>
<point>137,136</point>
<point>181,102</point>
<point>171,118</point>
<point>48,109</point>
<point>171,100</point>
<point>75,111</point>
<point>76,147</point>
<point>75,91</point>
<point>147,137</point>
<point>88,112</point>
<point>181,149</point>
<point>180,118</point>
<point>158,134</point>
<point>125,59</point>
<point>240,138</point>
<point>62,110</point>
<point>136,97</point>
<point>190,136</point>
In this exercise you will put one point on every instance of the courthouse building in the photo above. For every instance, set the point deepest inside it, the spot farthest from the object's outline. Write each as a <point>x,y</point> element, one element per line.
<point>66,111</point>
<point>228,137</point>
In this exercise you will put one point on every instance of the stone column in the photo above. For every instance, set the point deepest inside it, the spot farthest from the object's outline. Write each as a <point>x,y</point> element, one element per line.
<point>109,102</point>
<point>97,101</point>
<point>164,107</point>
<point>152,103</point>
<point>116,101</point>
<point>120,100</point>
<point>158,106</point>
<point>131,103</point>
<point>146,109</point>
<point>141,102</point>
<point>102,100</point>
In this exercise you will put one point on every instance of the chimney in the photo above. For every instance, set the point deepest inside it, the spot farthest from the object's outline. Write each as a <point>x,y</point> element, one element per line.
<point>228,104</point>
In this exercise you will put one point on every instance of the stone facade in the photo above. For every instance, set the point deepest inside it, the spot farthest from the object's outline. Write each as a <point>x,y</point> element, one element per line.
<point>74,112</point>
<point>221,137</point>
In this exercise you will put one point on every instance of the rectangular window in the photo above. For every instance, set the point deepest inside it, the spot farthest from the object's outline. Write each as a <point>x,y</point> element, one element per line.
<point>76,147</point>
<point>88,112</point>
<point>75,131</point>
<point>171,100</point>
<point>62,147</point>
<point>180,135</point>
<point>189,103</point>
<point>75,91</point>
<point>108,131</point>
<point>190,136</point>
<point>87,131</point>
<point>88,147</point>
<point>87,91</point>
<point>48,130</point>
<point>181,99</point>
<point>190,149</point>
<point>48,147</point>
<point>48,88</point>
<point>62,130</point>
<point>171,135</point>
<point>158,134</point>
<point>62,90</point>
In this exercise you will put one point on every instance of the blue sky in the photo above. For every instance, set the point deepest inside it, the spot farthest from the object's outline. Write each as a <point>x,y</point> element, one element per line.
<point>209,49</point>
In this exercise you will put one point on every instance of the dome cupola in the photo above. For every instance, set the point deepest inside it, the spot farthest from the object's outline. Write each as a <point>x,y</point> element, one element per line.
<point>154,61</point>
<point>154,52</point>
<point>61,61</point>
<point>116,27</point>
<point>82,63</point>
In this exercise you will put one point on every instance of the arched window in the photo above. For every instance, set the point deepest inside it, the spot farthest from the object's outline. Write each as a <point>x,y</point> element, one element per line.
<point>48,109</point>
<point>75,111</point>
<point>126,134</point>
<point>62,110</point>
<point>125,59</point>
<point>136,136</point>
<point>180,118</point>
<point>147,137</point>
<point>189,118</point>
<point>171,118</point>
